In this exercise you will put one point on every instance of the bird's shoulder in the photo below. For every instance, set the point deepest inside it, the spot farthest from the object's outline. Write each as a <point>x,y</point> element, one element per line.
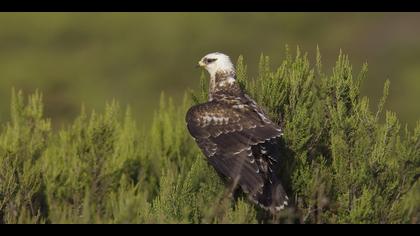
<point>232,107</point>
<point>228,116</point>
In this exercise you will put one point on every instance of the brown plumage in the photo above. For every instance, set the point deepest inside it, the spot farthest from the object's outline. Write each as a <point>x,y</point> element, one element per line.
<point>237,137</point>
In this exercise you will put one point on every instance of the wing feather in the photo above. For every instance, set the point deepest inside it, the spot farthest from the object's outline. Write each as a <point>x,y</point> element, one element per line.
<point>226,133</point>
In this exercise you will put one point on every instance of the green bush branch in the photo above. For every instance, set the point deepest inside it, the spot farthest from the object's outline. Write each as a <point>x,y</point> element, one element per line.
<point>341,162</point>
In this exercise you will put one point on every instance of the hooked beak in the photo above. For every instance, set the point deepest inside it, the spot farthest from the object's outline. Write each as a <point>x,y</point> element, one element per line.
<point>200,64</point>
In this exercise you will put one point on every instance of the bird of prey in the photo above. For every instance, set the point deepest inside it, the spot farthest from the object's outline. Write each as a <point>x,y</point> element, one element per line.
<point>237,137</point>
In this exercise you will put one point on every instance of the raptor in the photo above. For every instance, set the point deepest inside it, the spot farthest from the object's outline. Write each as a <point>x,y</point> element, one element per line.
<point>237,137</point>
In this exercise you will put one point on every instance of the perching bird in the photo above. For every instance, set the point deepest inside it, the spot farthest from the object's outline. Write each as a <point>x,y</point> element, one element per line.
<point>237,137</point>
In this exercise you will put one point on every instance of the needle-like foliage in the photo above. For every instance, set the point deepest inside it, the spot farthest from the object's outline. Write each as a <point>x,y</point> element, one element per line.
<point>342,162</point>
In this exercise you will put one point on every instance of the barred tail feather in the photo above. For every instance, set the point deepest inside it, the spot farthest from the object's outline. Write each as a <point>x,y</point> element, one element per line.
<point>274,198</point>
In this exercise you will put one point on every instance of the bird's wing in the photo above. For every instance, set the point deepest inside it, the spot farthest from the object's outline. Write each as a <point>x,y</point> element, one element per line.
<point>226,132</point>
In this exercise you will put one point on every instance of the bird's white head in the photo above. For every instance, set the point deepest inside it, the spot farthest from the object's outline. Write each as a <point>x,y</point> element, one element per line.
<point>217,62</point>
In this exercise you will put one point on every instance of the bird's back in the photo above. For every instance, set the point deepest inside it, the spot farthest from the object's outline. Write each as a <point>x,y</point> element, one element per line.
<point>241,143</point>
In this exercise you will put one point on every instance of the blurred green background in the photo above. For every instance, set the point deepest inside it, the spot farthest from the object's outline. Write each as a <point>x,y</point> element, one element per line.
<point>90,58</point>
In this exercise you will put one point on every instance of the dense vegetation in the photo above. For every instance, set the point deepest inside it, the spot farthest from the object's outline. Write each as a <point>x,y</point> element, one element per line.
<point>344,162</point>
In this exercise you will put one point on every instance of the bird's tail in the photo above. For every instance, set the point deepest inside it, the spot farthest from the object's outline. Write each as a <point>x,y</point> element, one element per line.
<point>273,198</point>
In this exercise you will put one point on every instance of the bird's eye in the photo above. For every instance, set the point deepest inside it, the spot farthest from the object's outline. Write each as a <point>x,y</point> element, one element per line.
<point>209,60</point>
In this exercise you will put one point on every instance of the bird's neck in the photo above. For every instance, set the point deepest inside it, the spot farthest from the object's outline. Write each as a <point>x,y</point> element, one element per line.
<point>222,84</point>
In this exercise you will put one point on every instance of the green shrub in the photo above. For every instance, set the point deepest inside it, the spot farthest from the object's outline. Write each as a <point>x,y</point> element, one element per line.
<point>343,162</point>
